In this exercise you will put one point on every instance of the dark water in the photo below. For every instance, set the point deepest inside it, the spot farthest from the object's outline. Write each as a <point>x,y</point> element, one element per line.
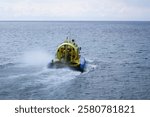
<point>117,54</point>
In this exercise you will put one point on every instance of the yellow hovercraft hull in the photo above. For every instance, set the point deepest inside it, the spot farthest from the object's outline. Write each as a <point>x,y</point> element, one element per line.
<point>68,54</point>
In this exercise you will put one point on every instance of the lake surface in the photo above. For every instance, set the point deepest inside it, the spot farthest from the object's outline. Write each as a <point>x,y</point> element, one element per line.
<point>117,55</point>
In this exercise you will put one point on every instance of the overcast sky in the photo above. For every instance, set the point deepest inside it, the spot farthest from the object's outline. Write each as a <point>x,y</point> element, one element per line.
<point>75,10</point>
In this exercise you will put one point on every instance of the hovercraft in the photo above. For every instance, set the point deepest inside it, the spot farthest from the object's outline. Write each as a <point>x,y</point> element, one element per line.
<point>68,55</point>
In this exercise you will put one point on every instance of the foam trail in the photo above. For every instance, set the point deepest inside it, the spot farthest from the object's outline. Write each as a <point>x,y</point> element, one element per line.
<point>36,58</point>
<point>58,76</point>
<point>90,65</point>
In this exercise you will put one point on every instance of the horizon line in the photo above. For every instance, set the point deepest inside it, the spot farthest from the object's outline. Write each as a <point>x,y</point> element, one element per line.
<point>74,20</point>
